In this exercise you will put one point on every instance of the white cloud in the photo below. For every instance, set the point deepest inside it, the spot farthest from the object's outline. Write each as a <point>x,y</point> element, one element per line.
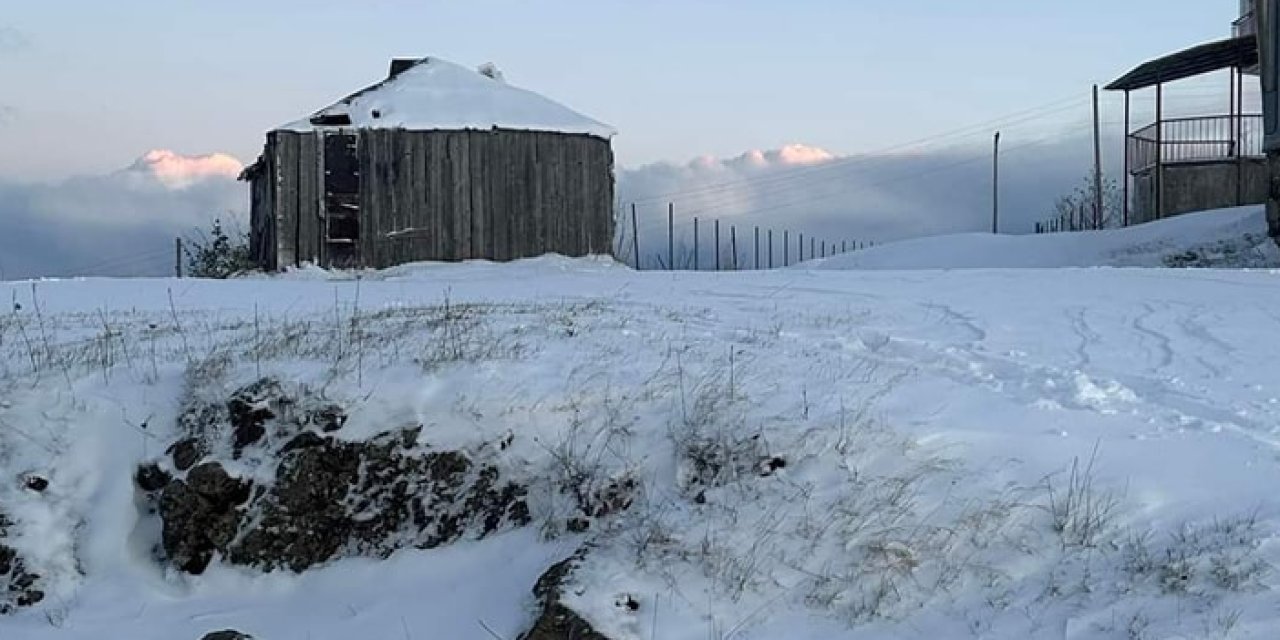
<point>177,171</point>
<point>122,223</point>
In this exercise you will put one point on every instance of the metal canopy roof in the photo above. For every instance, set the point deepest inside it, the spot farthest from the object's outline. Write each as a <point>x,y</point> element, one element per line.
<point>1232,52</point>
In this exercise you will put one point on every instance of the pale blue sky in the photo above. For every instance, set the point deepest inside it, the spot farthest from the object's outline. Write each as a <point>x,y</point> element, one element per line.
<point>90,85</point>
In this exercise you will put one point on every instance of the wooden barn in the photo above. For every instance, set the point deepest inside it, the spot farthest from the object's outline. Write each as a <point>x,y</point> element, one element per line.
<point>435,162</point>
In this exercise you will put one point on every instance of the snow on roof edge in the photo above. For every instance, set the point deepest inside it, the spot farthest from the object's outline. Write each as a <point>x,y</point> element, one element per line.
<point>438,95</point>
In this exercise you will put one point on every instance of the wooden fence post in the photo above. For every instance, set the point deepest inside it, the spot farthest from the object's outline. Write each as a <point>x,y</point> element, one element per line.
<point>717,244</point>
<point>695,243</point>
<point>733,244</point>
<point>771,248</point>
<point>177,256</point>
<point>786,248</point>
<point>671,236</point>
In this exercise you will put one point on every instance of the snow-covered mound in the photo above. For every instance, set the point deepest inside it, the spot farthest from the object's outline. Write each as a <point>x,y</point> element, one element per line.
<point>1230,238</point>
<point>438,94</point>
<point>567,448</point>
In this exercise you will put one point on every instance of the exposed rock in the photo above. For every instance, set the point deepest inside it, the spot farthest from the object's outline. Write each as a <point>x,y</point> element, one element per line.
<point>329,497</point>
<point>200,515</point>
<point>556,621</point>
<point>19,587</point>
<point>226,634</point>
<point>186,453</point>
<point>151,478</point>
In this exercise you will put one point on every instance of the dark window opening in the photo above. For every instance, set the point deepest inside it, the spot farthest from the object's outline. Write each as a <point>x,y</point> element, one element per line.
<point>331,120</point>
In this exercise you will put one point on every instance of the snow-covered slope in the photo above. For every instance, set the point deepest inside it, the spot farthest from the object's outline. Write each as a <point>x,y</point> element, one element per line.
<point>1223,238</point>
<point>438,94</point>
<point>805,454</point>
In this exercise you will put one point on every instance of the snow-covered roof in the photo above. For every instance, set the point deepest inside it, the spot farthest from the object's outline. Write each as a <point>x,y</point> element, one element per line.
<point>432,94</point>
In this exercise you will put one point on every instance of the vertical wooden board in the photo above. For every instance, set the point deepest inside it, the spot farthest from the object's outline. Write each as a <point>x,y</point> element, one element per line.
<point>307,198</point>
<point>554,202</point>
<point>610,191</point>
<point>548,217</point>
<point>410,247</point>
<point>528,213</point>
<point>368,162</point>
<point>512,168</point>
<point>435,149</point>
<point>544,217</point>
<point>573,196</point>
<point>538,211</point>
<point>365,151</point>
<point>460,197</point>
<point>287,193</point>
<point>477,153</point>
<point>519,203</point>
<point>602,195</point>
<point>495,180</point>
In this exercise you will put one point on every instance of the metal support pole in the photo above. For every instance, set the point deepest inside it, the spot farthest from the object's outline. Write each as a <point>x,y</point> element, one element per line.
<point>1127,150</point>
<point>995,185</point>
<point>1159,178</point>
<point>1097,163</point>
<point>635,237</point>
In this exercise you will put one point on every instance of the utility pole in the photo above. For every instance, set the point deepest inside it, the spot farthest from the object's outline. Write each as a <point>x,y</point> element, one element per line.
<point>995,186</point>
<point>1097,163</point>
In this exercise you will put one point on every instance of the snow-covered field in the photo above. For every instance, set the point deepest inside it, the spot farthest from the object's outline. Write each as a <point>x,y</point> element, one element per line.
<point>820,453</point>
<point>1226,238</point>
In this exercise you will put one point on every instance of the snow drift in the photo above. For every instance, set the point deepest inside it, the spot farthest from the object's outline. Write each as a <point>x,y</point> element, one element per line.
<point>1223,238</point>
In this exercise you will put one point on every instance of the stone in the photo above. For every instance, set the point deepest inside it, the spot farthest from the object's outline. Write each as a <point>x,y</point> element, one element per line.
<point>186,453</point>
<point>151,478</point>
<point>226,634</point>
<point>556,621</point>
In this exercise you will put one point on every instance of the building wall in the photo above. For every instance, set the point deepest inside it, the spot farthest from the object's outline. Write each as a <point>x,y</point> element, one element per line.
<point>1199,186</point>
<point>449,195</point>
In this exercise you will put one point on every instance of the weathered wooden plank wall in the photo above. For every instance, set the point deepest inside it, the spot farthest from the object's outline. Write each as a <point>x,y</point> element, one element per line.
<point>310,186</point>
<point>445,195</point>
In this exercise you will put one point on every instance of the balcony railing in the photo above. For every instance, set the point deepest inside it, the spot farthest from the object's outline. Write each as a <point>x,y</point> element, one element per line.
<point>1203,139</point>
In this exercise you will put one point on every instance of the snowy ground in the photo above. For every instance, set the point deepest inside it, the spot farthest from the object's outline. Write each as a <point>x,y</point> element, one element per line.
<point>1227,238</point>
<point>928,420</point>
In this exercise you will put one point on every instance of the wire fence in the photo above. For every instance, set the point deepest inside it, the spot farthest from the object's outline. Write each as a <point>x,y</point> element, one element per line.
<point>701,244</point>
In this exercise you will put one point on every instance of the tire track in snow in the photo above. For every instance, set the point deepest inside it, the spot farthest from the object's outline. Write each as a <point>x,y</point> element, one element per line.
<point>1164,346</point>
<point>1086,334</point>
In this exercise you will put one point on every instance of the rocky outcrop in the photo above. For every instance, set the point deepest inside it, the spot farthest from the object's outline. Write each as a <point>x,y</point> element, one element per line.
<point>556,621</point>
<point>19,587</point>
<point>226,634</point>
<point>323,497</point>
